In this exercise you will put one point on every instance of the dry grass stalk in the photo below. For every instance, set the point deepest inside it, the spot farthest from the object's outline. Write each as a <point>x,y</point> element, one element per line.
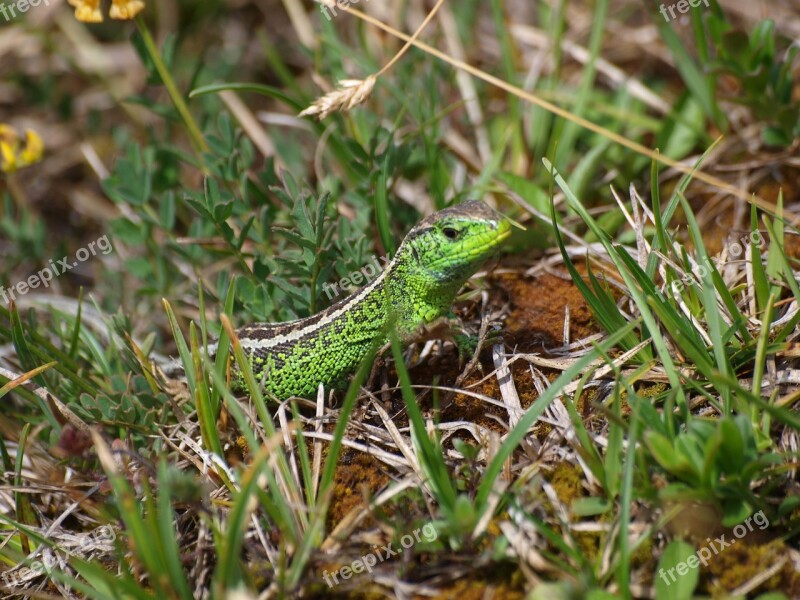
<point>350,93</point>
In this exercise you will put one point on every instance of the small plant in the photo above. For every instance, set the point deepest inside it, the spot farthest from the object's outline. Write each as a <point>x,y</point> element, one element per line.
<point>764,76</point>
<point>756,69</point>
<point>715,461</point>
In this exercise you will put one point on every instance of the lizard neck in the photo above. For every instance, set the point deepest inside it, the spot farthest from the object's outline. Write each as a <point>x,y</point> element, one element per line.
<point>416,297</point>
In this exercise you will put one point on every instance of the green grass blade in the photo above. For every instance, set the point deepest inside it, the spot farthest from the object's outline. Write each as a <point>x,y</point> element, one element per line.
<point>430,453</point>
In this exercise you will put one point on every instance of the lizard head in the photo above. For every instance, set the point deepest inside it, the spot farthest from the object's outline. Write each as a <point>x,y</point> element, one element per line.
<point>437,256</point>
<point>450,245</point>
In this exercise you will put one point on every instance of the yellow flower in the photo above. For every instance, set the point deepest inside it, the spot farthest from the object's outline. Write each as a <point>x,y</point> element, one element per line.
<point>34,148</point>
<point>87,11</point>
<point>13,155</point>
<point>126,9</point>
<point>9,163</point>
<point>9,142</point>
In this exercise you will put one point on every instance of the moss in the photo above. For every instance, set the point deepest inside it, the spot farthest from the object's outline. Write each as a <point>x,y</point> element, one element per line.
<point>567,480</point>
<point>584,403</point>
<point>651,391</point>
<point>741,562</point>
<point>356,474</point>
<point>643,554</point>
<point>476,589</point>
<point>589,542</point>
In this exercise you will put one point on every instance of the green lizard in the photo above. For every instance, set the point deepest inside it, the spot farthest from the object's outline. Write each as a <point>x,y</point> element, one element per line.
<point>417,287</point>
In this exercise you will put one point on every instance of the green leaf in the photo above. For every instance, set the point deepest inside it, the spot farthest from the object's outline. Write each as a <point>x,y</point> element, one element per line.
<point>788,505</point>
<point>587,507</point>
<point>683,131</point>
<point>699,84</point>
<point>678,572</point>
<point>731,450</point>
<point>464,513</point>
<point>257,88</point>
<point>553,591</point>
<point>167,210</point>
<point>663,451</point>
<point>26,358</point>
<point>688,449</point>
<point>584,173</point>
<point>735,511</point>
<point>736,44</point>
<point>600,595</point>
<point>295,238</point>
<point>776,136</point>
<point>532,193</point>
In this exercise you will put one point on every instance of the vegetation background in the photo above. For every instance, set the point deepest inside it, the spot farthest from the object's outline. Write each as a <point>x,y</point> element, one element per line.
<point>631,399</point>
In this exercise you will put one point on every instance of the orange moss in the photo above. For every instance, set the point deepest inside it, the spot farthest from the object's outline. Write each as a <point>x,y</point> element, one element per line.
<point>357,475</point>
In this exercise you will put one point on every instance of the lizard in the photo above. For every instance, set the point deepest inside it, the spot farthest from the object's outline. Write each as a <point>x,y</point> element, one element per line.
<point>416,288</point>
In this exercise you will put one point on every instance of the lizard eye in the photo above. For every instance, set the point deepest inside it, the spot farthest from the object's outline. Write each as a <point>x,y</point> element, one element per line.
<point>450,233</point>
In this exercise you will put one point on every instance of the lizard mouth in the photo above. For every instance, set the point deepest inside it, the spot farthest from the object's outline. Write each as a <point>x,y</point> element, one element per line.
<point>498,235</point>
<point>503,230</point>
<point>492,238</point>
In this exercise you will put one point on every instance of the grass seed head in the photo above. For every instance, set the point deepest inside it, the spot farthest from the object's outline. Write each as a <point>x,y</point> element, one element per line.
<point>349,94</point>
